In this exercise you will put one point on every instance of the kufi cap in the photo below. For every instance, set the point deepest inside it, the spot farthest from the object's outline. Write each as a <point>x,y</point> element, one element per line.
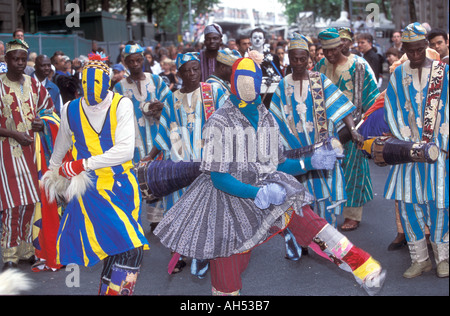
<point>213,28</point>
<point>329,38</point>
<point>132,49</point>
<point>16,44</point>
<point>298,41</point>
<point>414,32</point>
<point>184,58</point>
<point>227,56</point>
<point>346,32</point>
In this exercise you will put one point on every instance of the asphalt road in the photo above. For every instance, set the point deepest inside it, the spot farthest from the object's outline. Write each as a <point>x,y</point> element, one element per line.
<point>269,274</point>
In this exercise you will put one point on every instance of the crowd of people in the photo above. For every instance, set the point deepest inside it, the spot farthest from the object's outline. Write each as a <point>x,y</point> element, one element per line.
<point>75,133</point>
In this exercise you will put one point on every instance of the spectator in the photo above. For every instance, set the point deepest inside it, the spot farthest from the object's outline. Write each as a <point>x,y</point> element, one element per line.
<point>397,41</point>
<point>118,74</point>
<point>375,60</point>
<point>150,64</point>
<point>42,68</point>
<point>167,74</point>
<point>438,40</point>
<point>392,55</point>
<point>243,44</point>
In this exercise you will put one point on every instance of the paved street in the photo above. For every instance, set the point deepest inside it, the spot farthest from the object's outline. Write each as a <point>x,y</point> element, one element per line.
<point>269,273</point>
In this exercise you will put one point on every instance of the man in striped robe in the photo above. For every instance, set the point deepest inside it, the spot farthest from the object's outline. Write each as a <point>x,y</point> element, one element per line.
<point>416,109</point>
<point>297,110</point>
<point>21,98</point>
<point>356,81</point>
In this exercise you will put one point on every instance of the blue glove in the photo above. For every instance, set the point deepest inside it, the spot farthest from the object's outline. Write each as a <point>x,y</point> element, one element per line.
<point>323,159</point>
<point>271,193</point>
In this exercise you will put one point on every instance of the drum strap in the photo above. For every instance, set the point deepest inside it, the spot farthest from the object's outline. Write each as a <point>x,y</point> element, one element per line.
<point>432,102</point>
<point>207,99</point>
<point>320,113</point>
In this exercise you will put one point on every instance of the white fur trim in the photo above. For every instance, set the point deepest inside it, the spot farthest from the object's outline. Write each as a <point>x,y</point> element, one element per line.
<point>54,185</point>
<point>13,282</point>
<point>78,186</point>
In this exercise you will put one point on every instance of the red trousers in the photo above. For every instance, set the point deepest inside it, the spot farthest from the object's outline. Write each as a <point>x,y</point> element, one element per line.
<point>226,272</point>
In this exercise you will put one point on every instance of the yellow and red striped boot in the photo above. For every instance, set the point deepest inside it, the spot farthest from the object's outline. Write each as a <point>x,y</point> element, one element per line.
<point>366,270</point>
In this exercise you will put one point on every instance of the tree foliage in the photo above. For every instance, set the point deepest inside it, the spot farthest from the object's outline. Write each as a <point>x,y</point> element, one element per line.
<point>320,8</point>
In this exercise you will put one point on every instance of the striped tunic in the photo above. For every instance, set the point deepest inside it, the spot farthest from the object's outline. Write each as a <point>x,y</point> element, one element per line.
<point>181,125</point>
<point>404,111</point>
<point>105,221</point>
<point>19,105</point>
<point>153,87</point>
<point>294,114</point>
<point>355,164</point>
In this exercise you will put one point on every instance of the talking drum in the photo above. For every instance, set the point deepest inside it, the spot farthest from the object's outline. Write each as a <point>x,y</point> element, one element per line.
<point>159,178</point>
<point>388,150</point>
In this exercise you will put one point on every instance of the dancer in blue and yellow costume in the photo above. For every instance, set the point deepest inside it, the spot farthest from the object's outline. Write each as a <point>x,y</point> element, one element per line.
<point>102,217</point>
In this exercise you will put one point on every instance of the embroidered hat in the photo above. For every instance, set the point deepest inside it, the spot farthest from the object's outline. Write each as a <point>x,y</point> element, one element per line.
<point>184,58</point>
<point>298,41</point>
<point>329,38</point>
<point>414,32</point>
<point>213,28</point>
<point>246,79</point>
<point>346,32</point>
<point>227,56</point>
<point>132,49</point>
<point>16,44</point>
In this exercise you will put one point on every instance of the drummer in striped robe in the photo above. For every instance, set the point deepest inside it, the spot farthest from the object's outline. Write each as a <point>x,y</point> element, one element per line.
<point>181,124</point>
<point>307,107</point>
<point>101,221</point>
<point>21,99</point>
<point>355,79</point>
<point>416,109</point>
<point>147,92</point>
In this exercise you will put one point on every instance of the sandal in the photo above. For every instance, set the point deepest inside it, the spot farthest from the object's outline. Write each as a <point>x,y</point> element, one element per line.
<point>349,224</point>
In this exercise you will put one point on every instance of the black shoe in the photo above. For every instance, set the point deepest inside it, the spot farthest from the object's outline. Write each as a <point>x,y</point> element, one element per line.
<point>32,260</point>
<point>398,242</point>
<point>9,265</point>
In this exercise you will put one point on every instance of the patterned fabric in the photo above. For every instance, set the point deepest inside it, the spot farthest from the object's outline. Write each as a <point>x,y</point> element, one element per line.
<point>295,115</point>
<point>91,225</point>
<point>184,58</point>
<point>355,164</point>
<point>180,132</point>
<point>18,107</point>
<point>414,32</point>
<point>132,49</point>
<point>298,41</point>
<point>329,38</point>
<point>152,87</point>
<point>16,44</point>
<point>405,106</point>
<point>203,223</point>
<point>227,56</point>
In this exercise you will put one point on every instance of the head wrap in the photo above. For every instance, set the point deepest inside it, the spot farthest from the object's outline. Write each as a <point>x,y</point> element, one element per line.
<point>227,56</point>
<point>413,33</point>
<point>132,49</point>
<point>298,41</point>
<point>329,38</point>
<point>213,28</point>
<point>345,32</point>
<point>246,79</point>
<point>95,79</point>
<point>184,58</point>
<point>16,44</point>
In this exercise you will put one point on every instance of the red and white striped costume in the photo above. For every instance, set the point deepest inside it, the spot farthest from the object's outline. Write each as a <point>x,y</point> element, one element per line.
<point>19,105</point>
